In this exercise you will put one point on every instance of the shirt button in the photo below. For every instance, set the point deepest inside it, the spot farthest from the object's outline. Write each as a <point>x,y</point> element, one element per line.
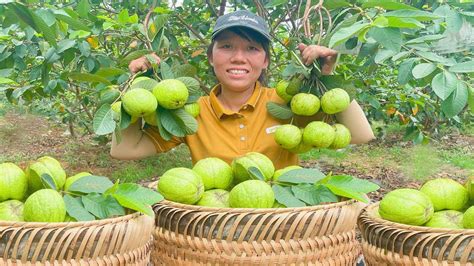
<point>242,138</point>
<point>245,107</point>
<point>241,126</point>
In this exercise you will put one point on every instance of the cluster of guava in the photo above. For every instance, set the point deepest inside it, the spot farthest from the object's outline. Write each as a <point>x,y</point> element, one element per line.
<point>23,197</point>
<point>316,134</point>
<point>214,183</point>
<point>145,95</point>
<point>441,203</point>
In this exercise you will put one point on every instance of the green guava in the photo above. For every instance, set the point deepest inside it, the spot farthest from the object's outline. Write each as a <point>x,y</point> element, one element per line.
<point>215,173</point>
<point>192,109</point>
<point>11,210</point>
<point>288,136</point>
<point>109,94</point>
<point>151,119</point>
<point>335,101</point>
<point>468,218</point>
<point>295,84</point>
<point>215,198</point>
<point>181,185</point>
<point>45,165</point>
<point>116,107</point>
<point>319,134</point>
<point>143,83</point>
<point>139,102</point>
<point>305,104</point>
<point>469,185</point>
<point>171,93</point>
<point>73,179</point>
<point>279,172</point>
<point>342,137</point>
<point>45,205</point>
<point>281,91</point>
<point>278,205</point>
<point>446,194</point>
<point>13,182</point>
<point>446,219</point>
<point>406,206</point>
<point>252,194</point>
<point>255,159</point>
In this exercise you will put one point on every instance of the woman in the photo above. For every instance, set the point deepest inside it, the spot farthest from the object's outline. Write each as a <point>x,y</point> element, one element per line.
<point>233,118</point>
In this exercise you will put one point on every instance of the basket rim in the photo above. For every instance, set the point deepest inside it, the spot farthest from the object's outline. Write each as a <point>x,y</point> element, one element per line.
<point>255,210</point>
<point>113,220</point>
<point>367,212</point>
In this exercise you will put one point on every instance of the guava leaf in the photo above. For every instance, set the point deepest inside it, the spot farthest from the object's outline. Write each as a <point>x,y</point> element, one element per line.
<point>279,111</point>
<point>76,210</point>
<point>136,197</point>
<point>125,118</point>
<point>284,196</point>
<point>102,206</point>
<point>191,83</point>
<point>48,181</point>
<point>186,121</point>
<point>132,56</point>
<point>302,176</point>
<point>165,134</point>
<point>185,70</point>
<point>170,123</point>
<point>193,98</point>
<point>165,71</point>
<point>88,77</point>
<point>103,122</point>
<point>350,187</point>
<point>314,195</point>
<point>255,173</point>
<point>464,67</point>
<point>92,183</point>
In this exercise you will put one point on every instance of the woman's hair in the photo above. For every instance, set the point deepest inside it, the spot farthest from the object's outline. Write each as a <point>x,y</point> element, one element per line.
<point>249,35</point>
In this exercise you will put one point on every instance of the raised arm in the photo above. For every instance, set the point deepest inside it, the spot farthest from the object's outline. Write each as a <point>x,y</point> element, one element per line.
<point>356,121</point>
<point>134,144</point>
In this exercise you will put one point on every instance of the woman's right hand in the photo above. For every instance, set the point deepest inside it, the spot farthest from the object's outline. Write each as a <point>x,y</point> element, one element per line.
<point>142,64</point>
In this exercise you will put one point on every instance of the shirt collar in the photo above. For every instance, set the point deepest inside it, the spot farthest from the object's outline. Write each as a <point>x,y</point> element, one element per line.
<point>221,110</point>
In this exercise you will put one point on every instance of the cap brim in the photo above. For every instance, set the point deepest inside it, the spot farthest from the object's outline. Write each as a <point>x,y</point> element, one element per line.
<point>264,34</point>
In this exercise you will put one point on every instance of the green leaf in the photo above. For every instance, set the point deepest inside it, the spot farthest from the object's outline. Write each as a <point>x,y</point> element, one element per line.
<point>383,55</point>
<point>170,124</point>
<point>302,176</point>
<point>49,33</point>
<point>6,81</point>
<point>91,183</point>
<point>132,56</point>
<point>390,38</point>
<point>436,58</point>
<point>344,34</point>
<point>88,77</point>
<point>191,83</point>
<point>65,44</point>
<point>456,101</point>
<point>284,196</point>
<point>423,70</point>
<point>185,120</point>
<point>279,111</point>
<point>425,38</point>
<point>314,195</point>
<point>110,72</point>
<point>165,71</point>
<point>136,197</point>
<point>122,17</point>
<point>74,23</point>
<point>255,173</point>
<point>416,14</point>
<point>158,24</point>
<point>76,210</point>
<point>409,23</point>
<point>464,67</point>
<point>350,187</point>
<point>404,70</point>
<point>19,91</point>
<point>185,70</point>
<point>454,21</point>
<point>102,206</point>
<point>470,100</point>
<point>103,122</point>
<point>48,181</point>
<point>125,118</point>
<point>336,4</point>
<point>83,8</point>
<point>274,3</point>
<point>387,4</point>
<point>444,84</point>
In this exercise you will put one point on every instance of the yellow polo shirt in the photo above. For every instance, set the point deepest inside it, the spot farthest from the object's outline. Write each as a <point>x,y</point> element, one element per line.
<point>227,134</point>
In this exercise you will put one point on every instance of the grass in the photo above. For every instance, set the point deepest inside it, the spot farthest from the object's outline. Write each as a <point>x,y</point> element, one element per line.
<point>421,162</point>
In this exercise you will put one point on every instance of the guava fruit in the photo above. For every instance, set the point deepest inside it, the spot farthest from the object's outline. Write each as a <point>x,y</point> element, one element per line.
<point>295,84</point>
<point>305,104</point>
<point>335,101</point>
<point>215,198</point>
<point>276,205</point>
<point>11,210</point>
<point>281,91</point>
<point>406,206</point>
<point>139,102</point>
<point>151,119</point>
<point>446,194</point>
<point>13,182</point>
<point>255,159</point>
<point>301,148</point>
<point>215,173</point>
<point>181,185</point>
<point>446,219</point>
<point>469,185</point>
<point>109,94</point>
<point>252,194</point>
<point>73,179</point>
<point>468,218</point>
<point>288,136</point>
<point>319,134</point>
<point>279,172</point>
<point>192,109</point>
<point>342,137</point>
<point>143,83</point>
<point>45,165</point>
<point>45,205</point>
<point>116,107</point>
<point>171,93</point>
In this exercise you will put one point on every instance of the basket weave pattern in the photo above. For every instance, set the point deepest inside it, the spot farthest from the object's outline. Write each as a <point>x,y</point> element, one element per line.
<point>323,234</point>
<point>117,241</point>
<point>388,243</point>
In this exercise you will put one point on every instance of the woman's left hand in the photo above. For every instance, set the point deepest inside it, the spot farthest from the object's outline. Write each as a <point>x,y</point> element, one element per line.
<point>309,53</point>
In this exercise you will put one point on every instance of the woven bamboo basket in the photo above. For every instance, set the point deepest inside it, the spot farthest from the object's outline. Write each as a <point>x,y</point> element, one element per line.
<point>388,243</point>
<point>125,240</point>
<point>190,235</point>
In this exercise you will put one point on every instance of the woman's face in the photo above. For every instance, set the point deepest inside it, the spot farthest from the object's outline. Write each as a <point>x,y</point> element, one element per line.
<point>237,62</point>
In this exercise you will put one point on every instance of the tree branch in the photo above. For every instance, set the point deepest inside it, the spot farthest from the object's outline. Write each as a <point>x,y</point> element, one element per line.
<point>211,7</point>
<point>197,34</point>
<point>222,7</point>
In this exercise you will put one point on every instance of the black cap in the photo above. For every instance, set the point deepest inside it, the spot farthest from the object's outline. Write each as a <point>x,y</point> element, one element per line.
<point>242,18</point>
